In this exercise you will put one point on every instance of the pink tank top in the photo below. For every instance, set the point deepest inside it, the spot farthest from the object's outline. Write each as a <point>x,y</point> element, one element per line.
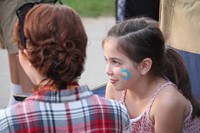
<point>143,123</point>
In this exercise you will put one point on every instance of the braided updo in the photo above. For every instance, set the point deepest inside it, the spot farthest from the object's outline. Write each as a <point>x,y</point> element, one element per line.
<point>56,42</point>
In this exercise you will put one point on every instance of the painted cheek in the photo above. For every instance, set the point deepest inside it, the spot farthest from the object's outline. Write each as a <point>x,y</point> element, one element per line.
<point>126,74</point>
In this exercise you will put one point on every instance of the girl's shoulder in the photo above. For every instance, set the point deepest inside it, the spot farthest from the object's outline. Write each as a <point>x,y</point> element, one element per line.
<point>169,109</point>
<point>171,95</point>
<point>170,100</point>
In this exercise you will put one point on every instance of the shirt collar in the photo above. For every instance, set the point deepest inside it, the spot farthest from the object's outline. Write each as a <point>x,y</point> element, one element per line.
<point>58,96</point>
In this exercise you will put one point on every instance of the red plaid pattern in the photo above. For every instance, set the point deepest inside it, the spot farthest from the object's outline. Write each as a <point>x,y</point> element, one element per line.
<point>71,111</point>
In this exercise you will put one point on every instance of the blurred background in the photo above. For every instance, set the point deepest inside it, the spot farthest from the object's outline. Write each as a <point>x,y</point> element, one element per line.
<point>93,8</point>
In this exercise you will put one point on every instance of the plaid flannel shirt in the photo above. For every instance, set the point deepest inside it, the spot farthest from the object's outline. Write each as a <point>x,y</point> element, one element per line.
<point>71,110</point>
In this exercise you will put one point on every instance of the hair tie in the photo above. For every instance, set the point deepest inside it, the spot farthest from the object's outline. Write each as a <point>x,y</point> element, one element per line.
<point>55,64</point>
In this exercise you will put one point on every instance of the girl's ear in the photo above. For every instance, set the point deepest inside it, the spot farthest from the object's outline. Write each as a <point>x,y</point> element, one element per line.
<point>25,52</point>
<point>145,66</point>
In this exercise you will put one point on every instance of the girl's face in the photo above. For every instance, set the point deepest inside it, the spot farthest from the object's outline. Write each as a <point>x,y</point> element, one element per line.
<point>121,71</point>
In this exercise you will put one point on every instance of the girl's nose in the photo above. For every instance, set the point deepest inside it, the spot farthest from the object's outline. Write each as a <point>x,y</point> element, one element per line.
<point>108,70</point>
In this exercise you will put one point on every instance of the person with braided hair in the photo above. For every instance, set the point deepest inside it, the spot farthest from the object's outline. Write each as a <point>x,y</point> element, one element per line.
<point>20,82</point>
<point>52,46</point>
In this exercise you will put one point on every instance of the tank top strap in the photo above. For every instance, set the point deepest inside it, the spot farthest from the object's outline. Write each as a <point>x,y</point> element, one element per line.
<point>123,97</point>
<point>190,114</point>
<point>156,93</point>
<point>122,100</point>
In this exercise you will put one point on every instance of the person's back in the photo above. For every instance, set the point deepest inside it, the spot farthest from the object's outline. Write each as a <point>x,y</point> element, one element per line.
<point>52,45</point>
<point>72,110</point>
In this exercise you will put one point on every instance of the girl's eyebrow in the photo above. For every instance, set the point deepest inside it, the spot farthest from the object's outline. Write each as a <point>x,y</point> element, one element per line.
<point>112,58</point>
<point>116,59</point>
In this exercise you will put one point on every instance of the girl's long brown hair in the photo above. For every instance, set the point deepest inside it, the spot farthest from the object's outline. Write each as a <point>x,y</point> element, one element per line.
<point>141,38</point>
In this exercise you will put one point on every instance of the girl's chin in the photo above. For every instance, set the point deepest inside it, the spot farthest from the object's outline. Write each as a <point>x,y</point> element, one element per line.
<point>117,88</point>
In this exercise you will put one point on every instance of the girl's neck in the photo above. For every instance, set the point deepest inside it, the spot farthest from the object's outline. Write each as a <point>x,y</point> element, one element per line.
<point>51,86</point>
<point>139,100</point>
<point>145,89</point>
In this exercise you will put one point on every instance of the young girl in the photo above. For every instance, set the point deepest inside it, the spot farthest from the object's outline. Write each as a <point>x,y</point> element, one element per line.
<point>150,79</point>
<point>52,43</point>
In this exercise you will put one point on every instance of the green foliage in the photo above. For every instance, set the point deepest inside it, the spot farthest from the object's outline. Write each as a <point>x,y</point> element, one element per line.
<point>92,8</point>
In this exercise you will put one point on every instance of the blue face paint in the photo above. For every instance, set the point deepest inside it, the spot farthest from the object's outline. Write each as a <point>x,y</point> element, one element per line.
<point>125,73</point>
